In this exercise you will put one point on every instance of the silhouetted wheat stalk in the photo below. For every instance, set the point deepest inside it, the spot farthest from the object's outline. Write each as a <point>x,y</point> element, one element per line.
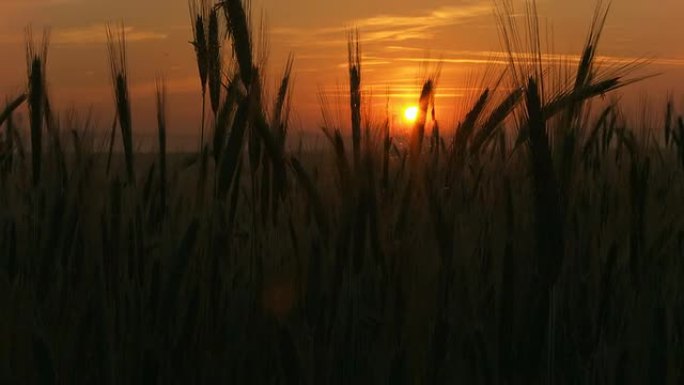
<point>548,211</point>
<point>238,28</point>
<point>116,44</point>
<point>37,98</point>
<point>354,60</point>
<point>161,124</point>
<point>215,61</point>
<point>11,107</point>
<point>418,134</point>
<point>199,18</point>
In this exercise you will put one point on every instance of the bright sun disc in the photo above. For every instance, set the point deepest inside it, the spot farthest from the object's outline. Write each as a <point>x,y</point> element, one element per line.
<point>411,114</point>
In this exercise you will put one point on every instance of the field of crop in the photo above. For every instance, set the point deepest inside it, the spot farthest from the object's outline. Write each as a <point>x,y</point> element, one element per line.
<point>542,242</point>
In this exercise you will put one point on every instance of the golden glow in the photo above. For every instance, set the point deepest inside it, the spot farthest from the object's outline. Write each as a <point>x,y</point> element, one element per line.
<point>411,114</point>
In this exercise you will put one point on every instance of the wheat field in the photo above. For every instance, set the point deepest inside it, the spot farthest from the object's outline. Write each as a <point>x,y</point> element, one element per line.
<point>540,243</point>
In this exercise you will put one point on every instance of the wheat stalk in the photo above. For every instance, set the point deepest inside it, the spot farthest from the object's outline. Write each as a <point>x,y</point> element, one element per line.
<point>238,28</point>
<point>199,20</point>
<point>116,44</point>
<point>354,60</point>
<point>161,125</point>
<point>36,62</point>
<point>214,61</point>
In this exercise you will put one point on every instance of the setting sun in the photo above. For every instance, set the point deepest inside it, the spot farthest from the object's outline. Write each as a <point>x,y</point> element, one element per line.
<point>411,114</point>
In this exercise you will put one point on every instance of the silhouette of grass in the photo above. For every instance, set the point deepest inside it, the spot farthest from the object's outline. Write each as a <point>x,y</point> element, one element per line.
<point>542,245</point>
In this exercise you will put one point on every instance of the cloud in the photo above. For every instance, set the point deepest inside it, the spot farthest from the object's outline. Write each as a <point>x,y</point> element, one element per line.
<point>96,34</point>
<point>443,16</point>
<point>385,28</point>
<point>29,4</point>
<point>502,58</point>
<point>32,3</point>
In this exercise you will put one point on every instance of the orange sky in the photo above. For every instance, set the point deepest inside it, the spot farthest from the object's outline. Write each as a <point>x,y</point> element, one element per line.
<point>398,35</point>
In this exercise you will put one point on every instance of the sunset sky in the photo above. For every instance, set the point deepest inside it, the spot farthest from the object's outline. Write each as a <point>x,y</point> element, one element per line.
<point>397,36</point>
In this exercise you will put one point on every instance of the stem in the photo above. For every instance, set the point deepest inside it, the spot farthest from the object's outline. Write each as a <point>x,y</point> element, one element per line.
<point>204,101</point>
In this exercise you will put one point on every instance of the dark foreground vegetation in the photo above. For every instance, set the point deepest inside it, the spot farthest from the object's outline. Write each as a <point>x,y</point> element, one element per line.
<point>543,242</point>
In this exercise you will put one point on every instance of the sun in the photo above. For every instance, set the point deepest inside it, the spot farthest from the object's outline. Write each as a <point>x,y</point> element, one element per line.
<point>411,114</point>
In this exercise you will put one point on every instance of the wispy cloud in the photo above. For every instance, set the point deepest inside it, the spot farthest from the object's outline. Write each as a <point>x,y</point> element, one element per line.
<point>385,28</point>
<point>32,3</point>
<point>9,5</point>
<point>439,17</point>
<point>95,34</point>
<point>502,58</point>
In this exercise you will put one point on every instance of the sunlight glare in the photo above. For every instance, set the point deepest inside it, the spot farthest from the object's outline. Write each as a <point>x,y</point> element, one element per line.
<point>411,114</point>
